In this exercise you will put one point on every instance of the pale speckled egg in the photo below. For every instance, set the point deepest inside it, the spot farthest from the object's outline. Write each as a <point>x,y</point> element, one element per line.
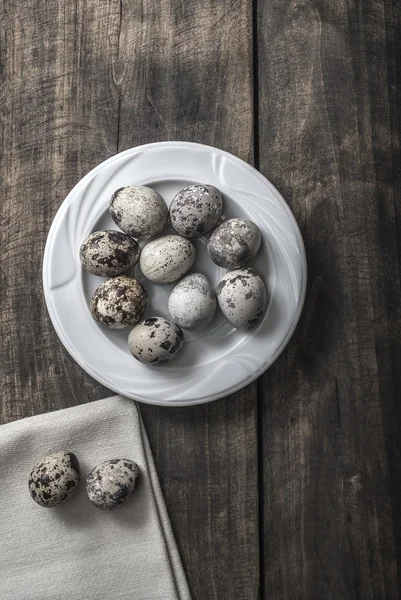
<point>54,479</point>
<point>155,339</point>
<point>195,210</point>
<point>241,295</point>
<point>119,302</point>
<point>167,259</point>
<point>192,303</point>
<point>234,243</point>
<point>112,483</point>
<point>108,253</point>
<point>139,211</point>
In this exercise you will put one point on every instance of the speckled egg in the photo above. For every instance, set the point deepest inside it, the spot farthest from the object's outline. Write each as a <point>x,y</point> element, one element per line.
<point>119,302</point>
<point>192,303</point>
<point>139,211</point>
<point>195,210</point>
<point>108,253</point>
<point>167,259</point>
<point>234,243</point>
<point>112,483</point>
<point>155,339</point>
<point>241,295</point>
<point>54,479</point>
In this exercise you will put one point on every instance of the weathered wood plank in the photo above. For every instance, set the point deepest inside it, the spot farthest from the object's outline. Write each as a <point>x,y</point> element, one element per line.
<point>186,73</point>
<point>207,458</point>
<point>329,138</point>
<point>79,82</point>
<point>59,115</point>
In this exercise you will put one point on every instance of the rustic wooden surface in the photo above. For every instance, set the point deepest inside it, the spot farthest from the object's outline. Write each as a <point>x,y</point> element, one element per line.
<point>81,81</point>
<point>329,115</point>
<point>320,432</point>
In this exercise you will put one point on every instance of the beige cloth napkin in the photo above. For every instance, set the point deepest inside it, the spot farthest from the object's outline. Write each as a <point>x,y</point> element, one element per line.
<point>76,551</point>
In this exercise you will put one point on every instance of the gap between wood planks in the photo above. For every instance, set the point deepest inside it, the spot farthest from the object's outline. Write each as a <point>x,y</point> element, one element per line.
<point>259,384</point>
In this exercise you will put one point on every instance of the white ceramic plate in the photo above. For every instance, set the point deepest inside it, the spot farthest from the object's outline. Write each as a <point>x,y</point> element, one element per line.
<point>215,361</point>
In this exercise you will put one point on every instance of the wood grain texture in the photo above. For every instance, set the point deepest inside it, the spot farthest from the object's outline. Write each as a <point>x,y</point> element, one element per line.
<point>179,68</point>
<point>59,118</point>
<point>329,76</point>
<point>81,81</point>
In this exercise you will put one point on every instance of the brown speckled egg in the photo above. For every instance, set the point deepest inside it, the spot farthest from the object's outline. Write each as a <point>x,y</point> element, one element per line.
<point>54,479</point>
<point>119,302</point>
<point>195,210</point>
<point>155,339</point>
<point>234,243</point>
<point>167,259</point>
<point>112,483</point>
<point>108,253</point>
<point>241,295</point>
<point>139,211</point>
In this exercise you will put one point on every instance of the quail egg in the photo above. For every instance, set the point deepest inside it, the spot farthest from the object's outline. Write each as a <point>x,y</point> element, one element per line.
<point>112,483</point>
<point>119,302</point>
<point>167,259</point>
<point>155,339</point>
<point>234,243</point>
<point>139,211</point>
<point>54,479</point>
<point>241,295</point>
<point>108,253</point>
<point>195,210</point>
<point>192,303</point>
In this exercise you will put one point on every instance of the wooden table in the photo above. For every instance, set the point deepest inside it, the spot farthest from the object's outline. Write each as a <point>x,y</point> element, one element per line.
<point>289,489</point>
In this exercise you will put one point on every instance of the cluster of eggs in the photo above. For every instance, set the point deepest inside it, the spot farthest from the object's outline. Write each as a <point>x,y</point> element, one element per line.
<point>142,214</point>
<point>55,478</point>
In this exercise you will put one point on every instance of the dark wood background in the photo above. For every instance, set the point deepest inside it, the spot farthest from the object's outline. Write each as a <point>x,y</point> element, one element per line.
<point>290,489</point>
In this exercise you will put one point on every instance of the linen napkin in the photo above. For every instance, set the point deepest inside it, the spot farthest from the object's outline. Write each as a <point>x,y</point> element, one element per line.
<point>76,551</point>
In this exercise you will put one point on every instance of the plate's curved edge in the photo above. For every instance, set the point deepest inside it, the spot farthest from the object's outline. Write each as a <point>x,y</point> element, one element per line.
<point>99,377</point>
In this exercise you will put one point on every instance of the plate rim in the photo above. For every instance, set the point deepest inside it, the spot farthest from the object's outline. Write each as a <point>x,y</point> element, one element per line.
<point>98,376</point>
